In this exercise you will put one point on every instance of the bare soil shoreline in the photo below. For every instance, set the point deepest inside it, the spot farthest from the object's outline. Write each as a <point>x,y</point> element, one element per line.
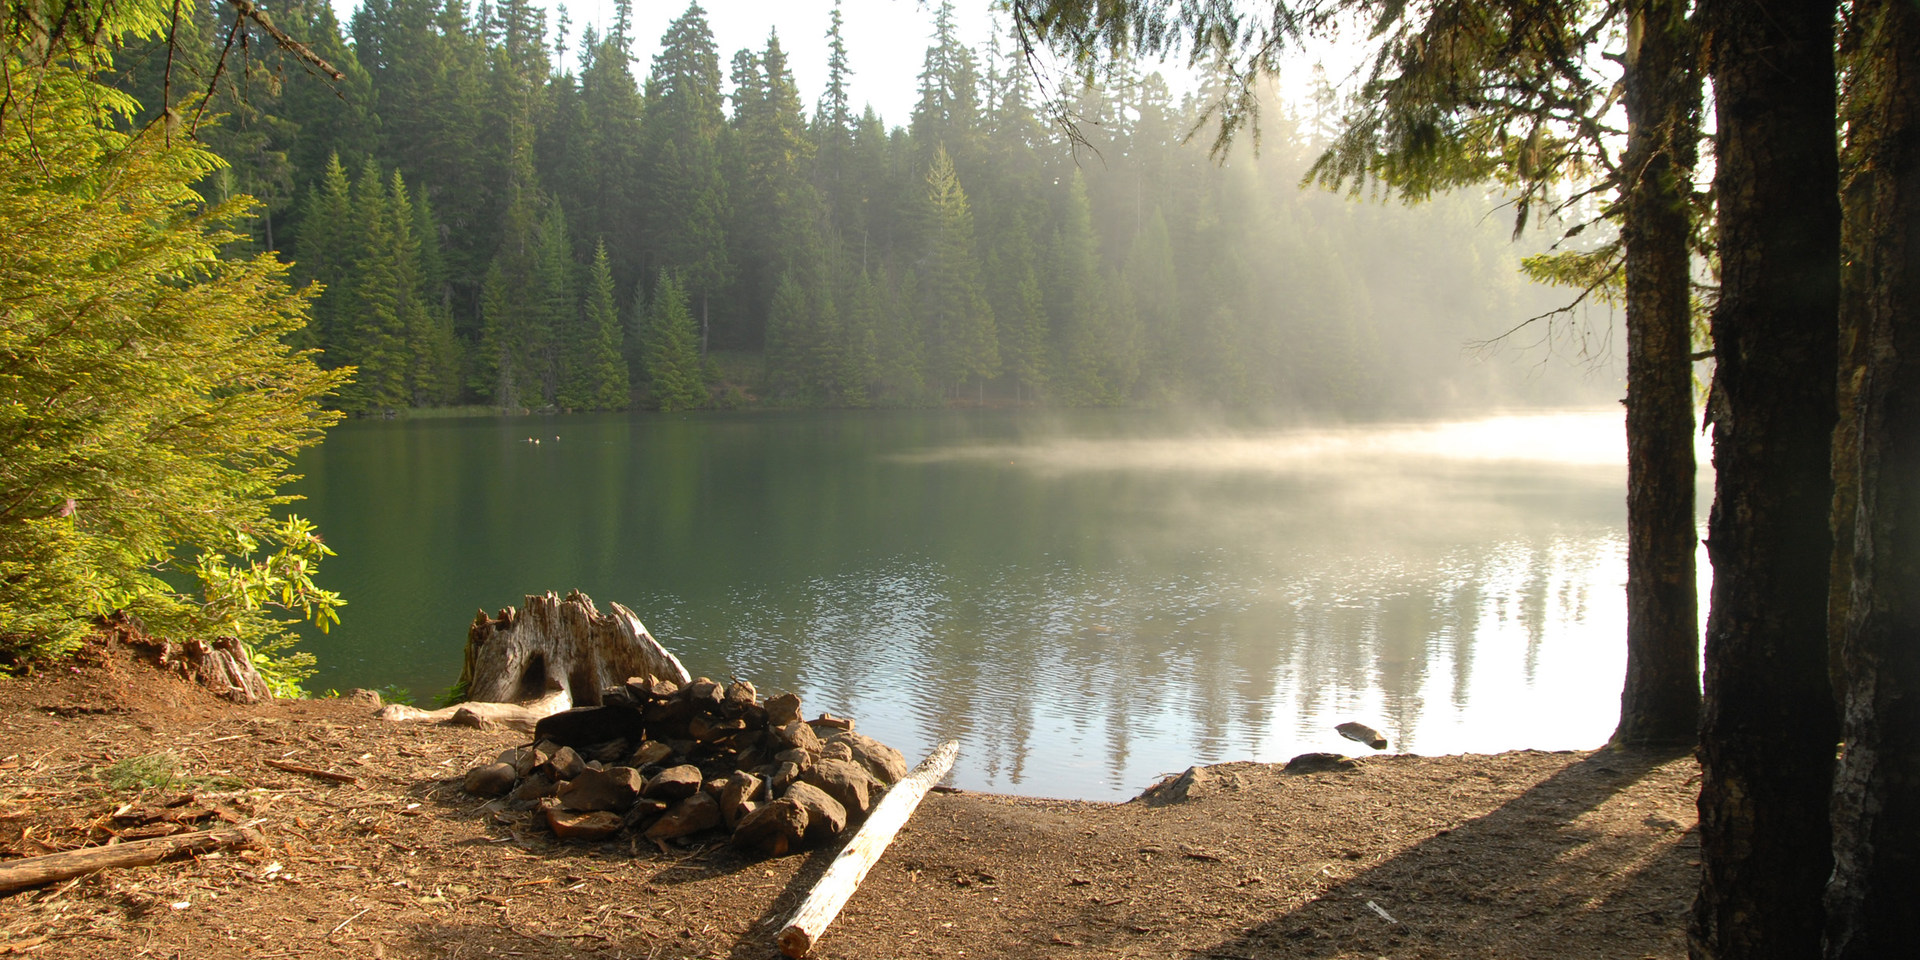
<point>1522,854</point>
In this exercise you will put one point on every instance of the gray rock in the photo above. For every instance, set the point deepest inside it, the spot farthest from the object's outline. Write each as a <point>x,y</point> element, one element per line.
<point>532,790</point>
<point>597,825</point>
<point>740,791</point>
<point>1194,784</point>
<point>799,736</point>
<point>772,828</point>
<point>692,815</point>
<point>782,710</point>
<point>613,751</point>
<point>566,764</point>
<point>1362,733</point>
<point>644,812</point>
<point>884,762</point>
<point>845,781</point>
<point>367,698</point>
<point>673,783</point>
<point>520,758</point>
<point>613,789</point>
<point>649,752</point>
<point>741,694</point>
<point>1320,763</point>
<point>706,694</point>
<point>784,774</point>
<point>825,815</point>
<point>490,779</point>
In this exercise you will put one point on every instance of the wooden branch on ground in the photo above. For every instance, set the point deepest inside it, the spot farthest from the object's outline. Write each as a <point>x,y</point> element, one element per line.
<point>34,871</point>
<point>843,876</point>
<point>313,772</point>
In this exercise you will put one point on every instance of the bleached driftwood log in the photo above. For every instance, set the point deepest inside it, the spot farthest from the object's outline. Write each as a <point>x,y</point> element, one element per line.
<point>843,876</point>
<point>552,656</point>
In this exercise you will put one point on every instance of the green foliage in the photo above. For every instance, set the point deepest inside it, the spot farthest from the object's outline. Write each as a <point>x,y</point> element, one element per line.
<point>155,771</point>
<point>394,693</point>
<point>242,584</point>
<point>462,285</point>
<point>675,375</point>
<point>150,402</point>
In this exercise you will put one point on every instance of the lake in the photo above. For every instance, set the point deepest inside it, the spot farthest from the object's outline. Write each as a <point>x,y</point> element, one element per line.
<point>1086,599</point>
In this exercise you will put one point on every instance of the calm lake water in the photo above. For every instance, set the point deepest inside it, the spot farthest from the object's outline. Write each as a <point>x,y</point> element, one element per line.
<point>1086,600</point>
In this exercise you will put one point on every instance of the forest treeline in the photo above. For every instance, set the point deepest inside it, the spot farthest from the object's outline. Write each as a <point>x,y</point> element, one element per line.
<point>505,215</point>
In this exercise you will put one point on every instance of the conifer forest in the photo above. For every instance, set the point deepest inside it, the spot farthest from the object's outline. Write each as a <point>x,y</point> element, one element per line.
<point>498,213</point>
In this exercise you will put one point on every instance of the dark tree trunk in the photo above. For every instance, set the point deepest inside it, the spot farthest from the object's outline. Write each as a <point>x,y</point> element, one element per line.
<point>1660,703</point>
<point>1768,727</point>
<point>1873,899</point>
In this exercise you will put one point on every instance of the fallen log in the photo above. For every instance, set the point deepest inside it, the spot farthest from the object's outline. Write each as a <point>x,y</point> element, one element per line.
<point>33,871</point>
<point>313,771</point>
<point>843,876</point>
<point>520,716</point>
<point>551,655</point>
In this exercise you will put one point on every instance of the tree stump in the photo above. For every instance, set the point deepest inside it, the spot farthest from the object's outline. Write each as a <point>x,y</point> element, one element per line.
<point>552,655</point>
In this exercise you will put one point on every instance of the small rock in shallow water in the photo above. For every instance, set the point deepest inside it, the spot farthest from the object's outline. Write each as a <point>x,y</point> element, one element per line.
<point>1362,733</point>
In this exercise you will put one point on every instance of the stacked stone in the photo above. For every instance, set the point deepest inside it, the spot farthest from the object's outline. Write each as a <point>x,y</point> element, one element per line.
<point>665,761</point>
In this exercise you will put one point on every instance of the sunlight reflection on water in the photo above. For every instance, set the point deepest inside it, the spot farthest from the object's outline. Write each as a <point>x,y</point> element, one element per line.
<point>1086,602</point>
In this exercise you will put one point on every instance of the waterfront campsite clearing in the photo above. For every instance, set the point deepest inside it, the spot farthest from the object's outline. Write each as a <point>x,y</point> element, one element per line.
<point>1523,854</point>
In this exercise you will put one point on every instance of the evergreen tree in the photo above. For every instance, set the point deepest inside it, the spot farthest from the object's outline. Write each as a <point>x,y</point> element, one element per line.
<point>1072,299</point>
<point>686,195</point>
<point>597,374</point>
<point>436,349</point>
<point>153,405</point>
<point>675,377</point>
<point>324,255</point>
<point>557,331</point>
<point>375,336</point>
<point>954,309</point>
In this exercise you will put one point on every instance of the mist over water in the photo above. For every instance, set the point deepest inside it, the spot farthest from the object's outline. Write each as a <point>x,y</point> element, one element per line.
<point>1087,600</point>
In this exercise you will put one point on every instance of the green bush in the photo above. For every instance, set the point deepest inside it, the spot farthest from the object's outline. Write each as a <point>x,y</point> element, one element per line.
<point>150,403</point>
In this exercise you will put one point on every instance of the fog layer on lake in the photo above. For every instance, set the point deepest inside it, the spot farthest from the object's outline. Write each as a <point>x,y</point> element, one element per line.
<point>1086,600</point>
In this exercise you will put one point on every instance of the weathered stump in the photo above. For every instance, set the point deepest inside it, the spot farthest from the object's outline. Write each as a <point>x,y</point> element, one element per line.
<point>550,656</point>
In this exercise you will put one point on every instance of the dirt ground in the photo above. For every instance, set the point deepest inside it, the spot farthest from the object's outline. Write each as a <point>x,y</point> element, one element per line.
<point>1523,854</point>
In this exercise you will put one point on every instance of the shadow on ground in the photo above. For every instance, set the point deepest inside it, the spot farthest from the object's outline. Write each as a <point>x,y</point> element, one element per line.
<point>1449,895</point>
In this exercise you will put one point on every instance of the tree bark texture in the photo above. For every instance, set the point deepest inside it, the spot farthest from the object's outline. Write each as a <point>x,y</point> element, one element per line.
<point>1660,701</point>
<point>1873,899</point>
<point>52,867</point>
<point>1769,730</point>
<point>222,665</point>
<point>556,647</point>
